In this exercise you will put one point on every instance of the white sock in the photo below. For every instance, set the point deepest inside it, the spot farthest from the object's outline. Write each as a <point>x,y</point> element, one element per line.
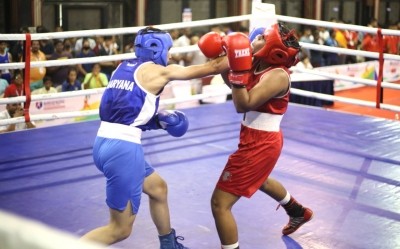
<point>286,199</point>
<point>233,246</point>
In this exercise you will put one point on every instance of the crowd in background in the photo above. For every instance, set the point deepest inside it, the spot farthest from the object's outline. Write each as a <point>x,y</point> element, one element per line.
<point>344,39</point>
<point>94,75</point>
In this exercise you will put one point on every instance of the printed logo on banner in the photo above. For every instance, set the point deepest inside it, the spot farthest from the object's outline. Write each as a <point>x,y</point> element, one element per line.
<point>39,105</point>
<point>54,104</point>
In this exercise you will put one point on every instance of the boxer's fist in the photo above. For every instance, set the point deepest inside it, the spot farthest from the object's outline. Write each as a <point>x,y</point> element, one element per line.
<point>174,122</point>
<point>210,45</point>
<point>238,49</point>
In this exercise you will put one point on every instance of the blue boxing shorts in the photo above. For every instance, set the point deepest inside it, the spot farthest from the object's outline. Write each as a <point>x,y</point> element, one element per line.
<point>125,169</point>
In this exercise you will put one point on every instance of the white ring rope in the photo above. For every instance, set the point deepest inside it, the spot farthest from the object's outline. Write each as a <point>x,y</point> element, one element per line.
<point>74,61</point>
<point>345,78</point>
<point>347,51</point>
<point>209,22</point>
<point>343,99</point>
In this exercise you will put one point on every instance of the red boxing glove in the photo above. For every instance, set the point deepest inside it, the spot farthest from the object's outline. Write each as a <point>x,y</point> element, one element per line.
<point>210,45</point>
<point>238,48</point>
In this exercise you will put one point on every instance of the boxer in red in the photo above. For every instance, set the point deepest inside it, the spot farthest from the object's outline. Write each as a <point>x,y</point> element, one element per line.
<point>260,82</point>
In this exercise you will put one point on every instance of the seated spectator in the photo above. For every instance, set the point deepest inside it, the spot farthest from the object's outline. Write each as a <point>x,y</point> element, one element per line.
<point>304,61</point>
<point>3,86</point>
<point>47,87</point>
<point>37,73</point>
<point>17,48</point>
<point>16,88</point>
<point>85,52</point>
<point>46,46</point>
<point>59,73</point>
<point>108,48</point>
<point>13,111</point>
<point>330,57</point>
<point>68,46</point>
<point>71,83</point>
<point>79,44</point>
<point>5,57</point>
<point>95,79</point>
<point>392,41</point>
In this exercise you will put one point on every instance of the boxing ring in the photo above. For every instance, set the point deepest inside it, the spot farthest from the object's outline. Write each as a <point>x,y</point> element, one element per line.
<point>345,167</point>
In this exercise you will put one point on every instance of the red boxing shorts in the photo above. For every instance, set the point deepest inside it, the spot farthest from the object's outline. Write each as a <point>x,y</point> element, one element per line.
<point>249,167</point>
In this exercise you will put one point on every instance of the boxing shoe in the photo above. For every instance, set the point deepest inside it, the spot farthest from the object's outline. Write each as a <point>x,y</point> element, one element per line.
<point>298,216</point>
<point>170,241</point>
<point>296,222</point>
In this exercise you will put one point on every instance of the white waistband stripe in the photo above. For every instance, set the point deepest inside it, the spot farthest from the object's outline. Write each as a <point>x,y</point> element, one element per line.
<point>120,131</point>
<point>262,121</point>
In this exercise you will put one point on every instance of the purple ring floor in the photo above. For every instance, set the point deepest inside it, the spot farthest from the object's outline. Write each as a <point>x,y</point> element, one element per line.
<point>345,167</point>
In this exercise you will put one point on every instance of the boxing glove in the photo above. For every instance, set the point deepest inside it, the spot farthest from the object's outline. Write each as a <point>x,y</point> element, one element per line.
<point>174,122</point>
<point>210,45</point>
<point>238,49</point>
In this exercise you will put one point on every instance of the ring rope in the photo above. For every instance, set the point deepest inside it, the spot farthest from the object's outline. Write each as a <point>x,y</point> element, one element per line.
<point>74,61</point>
<point>345,78</point>
<point>343,99</point>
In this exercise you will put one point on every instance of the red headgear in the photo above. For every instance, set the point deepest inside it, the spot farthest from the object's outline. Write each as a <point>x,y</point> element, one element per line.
<point>281,46</point>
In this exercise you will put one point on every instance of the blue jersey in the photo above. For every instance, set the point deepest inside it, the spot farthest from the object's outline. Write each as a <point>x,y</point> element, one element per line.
<point>125,101</point>
<point>5,73</point>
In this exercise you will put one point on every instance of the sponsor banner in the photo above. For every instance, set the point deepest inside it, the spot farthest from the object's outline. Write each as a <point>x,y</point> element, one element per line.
<point>365,70</point>
<point>71,104</point>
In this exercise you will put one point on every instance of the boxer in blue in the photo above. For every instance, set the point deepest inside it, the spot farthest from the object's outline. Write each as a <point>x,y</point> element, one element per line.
<point>129,106</point>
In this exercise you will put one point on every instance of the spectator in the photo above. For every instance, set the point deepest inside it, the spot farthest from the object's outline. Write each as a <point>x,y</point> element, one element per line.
<point>5,57</point>
<point>341,39</point>
<point>16,88</point>
<point>18,47</point>
<point>183,41</point>
<point>175,58</point>
<point>95,79</point>
<point>37,73</point>
<point>316,59</point>
<point>304,61</point>
<point>71,83</point>
<point>68,46</point>
<point>108,48</point>
<point>195,58</point>
<point>331,58</point>
<point>79,44</point>
<point>13,111</point>
<point>393,41</point>
<point>352,43</point>
<point>307,37</point>
<point>86,52</point>
<point>3,85</point>
<point>99,44</point>
<point>59,73</point>
<point>46,46</point>
<point>47,88</point>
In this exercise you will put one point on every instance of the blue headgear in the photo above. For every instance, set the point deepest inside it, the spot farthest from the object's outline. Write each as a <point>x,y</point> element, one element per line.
<point>152,44</point>
<point>255,32</point>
